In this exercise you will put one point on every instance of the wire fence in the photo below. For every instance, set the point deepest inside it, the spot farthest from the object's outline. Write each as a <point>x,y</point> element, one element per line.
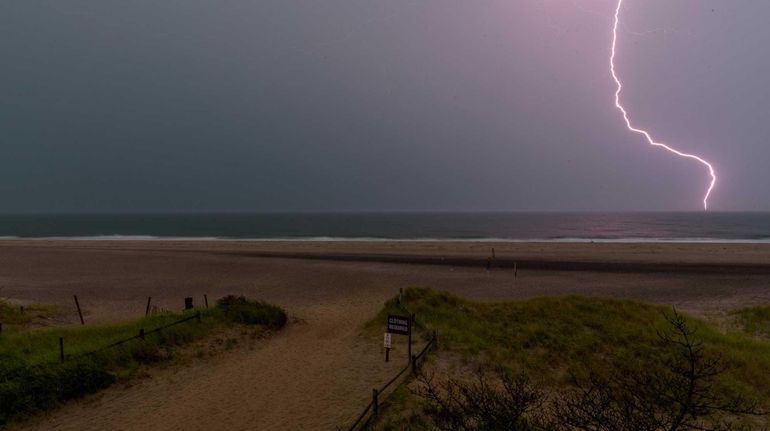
<point>372,409</point>
<point>11,374</point>
<point>142,334</point>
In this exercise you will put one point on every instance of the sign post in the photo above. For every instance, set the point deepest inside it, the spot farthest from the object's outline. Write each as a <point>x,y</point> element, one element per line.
<point>401,325</point>
<point>388,345</point>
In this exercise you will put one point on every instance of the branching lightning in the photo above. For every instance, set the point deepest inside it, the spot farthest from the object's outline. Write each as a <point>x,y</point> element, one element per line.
<point>644,132</point>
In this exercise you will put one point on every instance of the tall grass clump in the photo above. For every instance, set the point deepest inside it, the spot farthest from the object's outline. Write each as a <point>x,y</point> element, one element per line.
<point>241,310</point>
<point>754,320</point>
<point>14,319</point>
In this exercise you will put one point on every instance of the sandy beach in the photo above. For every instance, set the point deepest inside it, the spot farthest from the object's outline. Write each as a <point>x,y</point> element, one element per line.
<point>318,373</point>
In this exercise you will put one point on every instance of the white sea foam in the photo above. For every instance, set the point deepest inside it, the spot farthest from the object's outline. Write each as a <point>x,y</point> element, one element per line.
<point>405,240</point>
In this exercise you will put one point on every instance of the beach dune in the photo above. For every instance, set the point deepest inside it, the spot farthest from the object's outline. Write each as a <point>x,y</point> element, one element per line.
<point>318,373</point>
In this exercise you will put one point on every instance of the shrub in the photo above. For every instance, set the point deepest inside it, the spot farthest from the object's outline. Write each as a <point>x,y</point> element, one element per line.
<point>504,402</point>
<point>681,393</point>
<point>241,310</point>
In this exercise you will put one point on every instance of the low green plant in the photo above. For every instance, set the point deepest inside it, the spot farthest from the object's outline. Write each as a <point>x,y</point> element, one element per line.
<point>25,390</point>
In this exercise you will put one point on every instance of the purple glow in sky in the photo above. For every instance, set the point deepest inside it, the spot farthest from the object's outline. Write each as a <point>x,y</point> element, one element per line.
<point>370,105</point>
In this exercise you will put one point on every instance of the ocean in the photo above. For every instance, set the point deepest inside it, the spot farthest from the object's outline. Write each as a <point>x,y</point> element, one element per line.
<point>621,227</point>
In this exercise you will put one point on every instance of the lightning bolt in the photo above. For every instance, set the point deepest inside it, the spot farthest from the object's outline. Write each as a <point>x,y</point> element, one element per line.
<point>644,132</point>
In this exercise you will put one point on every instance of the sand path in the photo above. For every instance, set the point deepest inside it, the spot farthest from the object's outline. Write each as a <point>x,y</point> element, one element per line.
<point>306,377</point>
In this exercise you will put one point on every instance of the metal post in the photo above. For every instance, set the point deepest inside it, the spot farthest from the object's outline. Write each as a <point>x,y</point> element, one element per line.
<point>206,300</point>
<point>147,310</point>
<point>387,351</point>
<point>141,333</point>
<point>198,315</point>
<point>80,313</point>
<point>375,402</point>
<point>61,349</point>
<point>400,295</point>
<point>414,364</point>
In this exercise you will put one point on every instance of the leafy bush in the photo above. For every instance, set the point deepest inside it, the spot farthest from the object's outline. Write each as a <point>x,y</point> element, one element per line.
<point>241,310</point>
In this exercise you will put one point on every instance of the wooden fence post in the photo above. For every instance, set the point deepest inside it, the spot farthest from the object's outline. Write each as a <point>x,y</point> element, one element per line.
<point>147,310</point>
<point>206,300</point>
<point>375,402</point>
<point>411,324</point>
<point>80,313</point>
<point>198,316</point>
<point>61,349</point>
<point>141,333</point>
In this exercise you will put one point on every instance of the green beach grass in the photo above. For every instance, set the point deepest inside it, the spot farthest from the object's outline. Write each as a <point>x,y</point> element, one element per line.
<point>33,378</point>
<point>15,320</point>
<point>754,320</point>
<point>550,339</point>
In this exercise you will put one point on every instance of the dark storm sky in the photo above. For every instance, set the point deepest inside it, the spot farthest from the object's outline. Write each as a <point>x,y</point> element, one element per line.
<point>114,105</point>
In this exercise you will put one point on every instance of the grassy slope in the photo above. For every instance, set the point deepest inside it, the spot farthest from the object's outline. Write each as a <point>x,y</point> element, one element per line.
<point>754,320</point>
<point>548,338</point>
<point>14,320</point>
<point>33,379</point>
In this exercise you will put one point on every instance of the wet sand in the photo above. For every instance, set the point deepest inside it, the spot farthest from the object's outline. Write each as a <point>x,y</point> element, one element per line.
<point>317,373</point>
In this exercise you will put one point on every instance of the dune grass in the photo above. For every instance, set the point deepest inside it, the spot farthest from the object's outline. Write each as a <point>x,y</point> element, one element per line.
<point>15,320</point>
<point>32,377</point>
<point>551,339</point>
<point>754,320</point>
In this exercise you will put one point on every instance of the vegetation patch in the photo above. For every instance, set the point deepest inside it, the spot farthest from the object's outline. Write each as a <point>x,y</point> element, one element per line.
<point>754,320</point>
<point>16,317</point>
<point>241,310</point>
<point>561,345</point>
<point>33,378</point>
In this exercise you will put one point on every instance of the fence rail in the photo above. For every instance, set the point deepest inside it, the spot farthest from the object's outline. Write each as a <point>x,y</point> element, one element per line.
<point>10,375</point>
<point>142,333</point>
<point>373,405</point>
